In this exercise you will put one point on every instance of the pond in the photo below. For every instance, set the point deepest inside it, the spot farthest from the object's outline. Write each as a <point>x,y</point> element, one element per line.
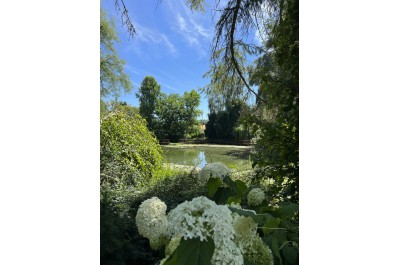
<point>200,155</point>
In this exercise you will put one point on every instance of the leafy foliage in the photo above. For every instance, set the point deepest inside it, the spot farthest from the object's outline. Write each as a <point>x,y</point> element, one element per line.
<point>124,107</point>
<point>128,149</point>
<point>113,79</point>
<point>277,74</point>
<point>192,251</point>
<point>278,223</point>
<point>177,115</point>
<point>148,94</point>
<point>120,242</point>
<point>223,124</point>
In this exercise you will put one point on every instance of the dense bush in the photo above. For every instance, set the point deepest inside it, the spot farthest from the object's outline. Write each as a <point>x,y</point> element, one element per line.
<point>121,242</point>
<point>129,152</point>
<point>220,231</point>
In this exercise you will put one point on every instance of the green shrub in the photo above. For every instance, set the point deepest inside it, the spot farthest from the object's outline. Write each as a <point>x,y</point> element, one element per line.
<point>129,152</point>
<point>120,241</point>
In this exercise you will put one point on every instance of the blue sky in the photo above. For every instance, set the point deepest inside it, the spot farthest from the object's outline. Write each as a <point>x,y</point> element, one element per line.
<point>171,44</point>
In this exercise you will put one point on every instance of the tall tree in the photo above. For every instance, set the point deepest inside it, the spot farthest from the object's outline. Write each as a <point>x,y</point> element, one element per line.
<point>191,102</point>
<point>171,117</point>
<point>148,93</point>
<point>177,115</point>
<point>276,75</point>
<point>113,79</point>
<point>222,123</point>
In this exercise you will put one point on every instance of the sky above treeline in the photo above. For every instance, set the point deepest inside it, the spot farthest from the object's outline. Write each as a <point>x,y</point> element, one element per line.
<point>172,44</point>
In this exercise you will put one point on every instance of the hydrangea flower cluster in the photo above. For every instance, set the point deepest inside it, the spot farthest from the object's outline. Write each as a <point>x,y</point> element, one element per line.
<point>152,221</point>
<point>245,230</point>
<point>251,245</point>
<point>255,197</point>
<point>202,218</point>
<point>259,253</point>
<point>215,170</point>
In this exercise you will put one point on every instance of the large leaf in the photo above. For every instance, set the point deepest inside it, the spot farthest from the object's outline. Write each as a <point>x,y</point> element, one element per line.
<point>241,188</point>
<point>230,183</point>
<point>270,225</point>
<point>291,254</point>
<point>195,252</point>
<point>222,195</point>
<point>275,249</point>
<point>171,259</point>
<point>260,219</point>
<point>287,210</point>
<point>213,184</point>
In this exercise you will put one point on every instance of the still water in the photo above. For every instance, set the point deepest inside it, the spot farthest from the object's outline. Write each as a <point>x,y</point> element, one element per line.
<point>200,155</point>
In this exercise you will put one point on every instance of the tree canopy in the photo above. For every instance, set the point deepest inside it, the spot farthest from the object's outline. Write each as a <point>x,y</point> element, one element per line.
<point>276,73</point>
<point>177,115</point>
<point>148,93</point>
<point>113,79</point>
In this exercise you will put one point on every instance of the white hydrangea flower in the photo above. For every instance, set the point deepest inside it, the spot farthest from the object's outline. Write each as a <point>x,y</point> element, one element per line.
<point>215,170</point>
<point>202,218</point>
<point>249,242</point>
<point>259,253</point>
<point>152,221</point>
<point>255,197</point>
<point>245,231</point>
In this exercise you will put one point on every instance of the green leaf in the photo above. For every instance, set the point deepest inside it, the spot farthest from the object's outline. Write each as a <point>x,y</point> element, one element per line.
<point>272,222</point>
<point>230,183</point>
<point>291,254</point>
<point>212,185</point>
<point>280,235</point>
<point>241,188</point>
<point>287,210</point>
<point>233,199</point>
<point>242,212</point>
<point>222,195</point>
<point>260,219</point>
<point>275,249</point>
<point>293,236</point>
<point>194,252</point>
<point>171,259</point>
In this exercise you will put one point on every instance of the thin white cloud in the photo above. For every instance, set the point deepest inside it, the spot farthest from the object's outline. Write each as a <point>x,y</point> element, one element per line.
<point>131,69</point>
<point>170,46</point>
<point>137,85</point>
<point>193,27</point>
<point>169,87</point>
<point>189,35</point>
<point>147,35</point>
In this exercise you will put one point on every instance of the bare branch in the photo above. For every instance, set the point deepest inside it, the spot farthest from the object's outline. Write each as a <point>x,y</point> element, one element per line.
<point>125,19</point>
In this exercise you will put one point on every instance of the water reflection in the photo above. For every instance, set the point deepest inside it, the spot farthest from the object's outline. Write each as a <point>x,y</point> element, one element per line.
<point>201,155</point>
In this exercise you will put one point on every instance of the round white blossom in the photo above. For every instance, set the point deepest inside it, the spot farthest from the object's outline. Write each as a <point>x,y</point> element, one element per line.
<point>245,231</point>
<point>255,197</point>
<point>259,253</point>
<point>249,242</point>
<point>202,218</point>
<point>152,221</point>
<point>215,170</point>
